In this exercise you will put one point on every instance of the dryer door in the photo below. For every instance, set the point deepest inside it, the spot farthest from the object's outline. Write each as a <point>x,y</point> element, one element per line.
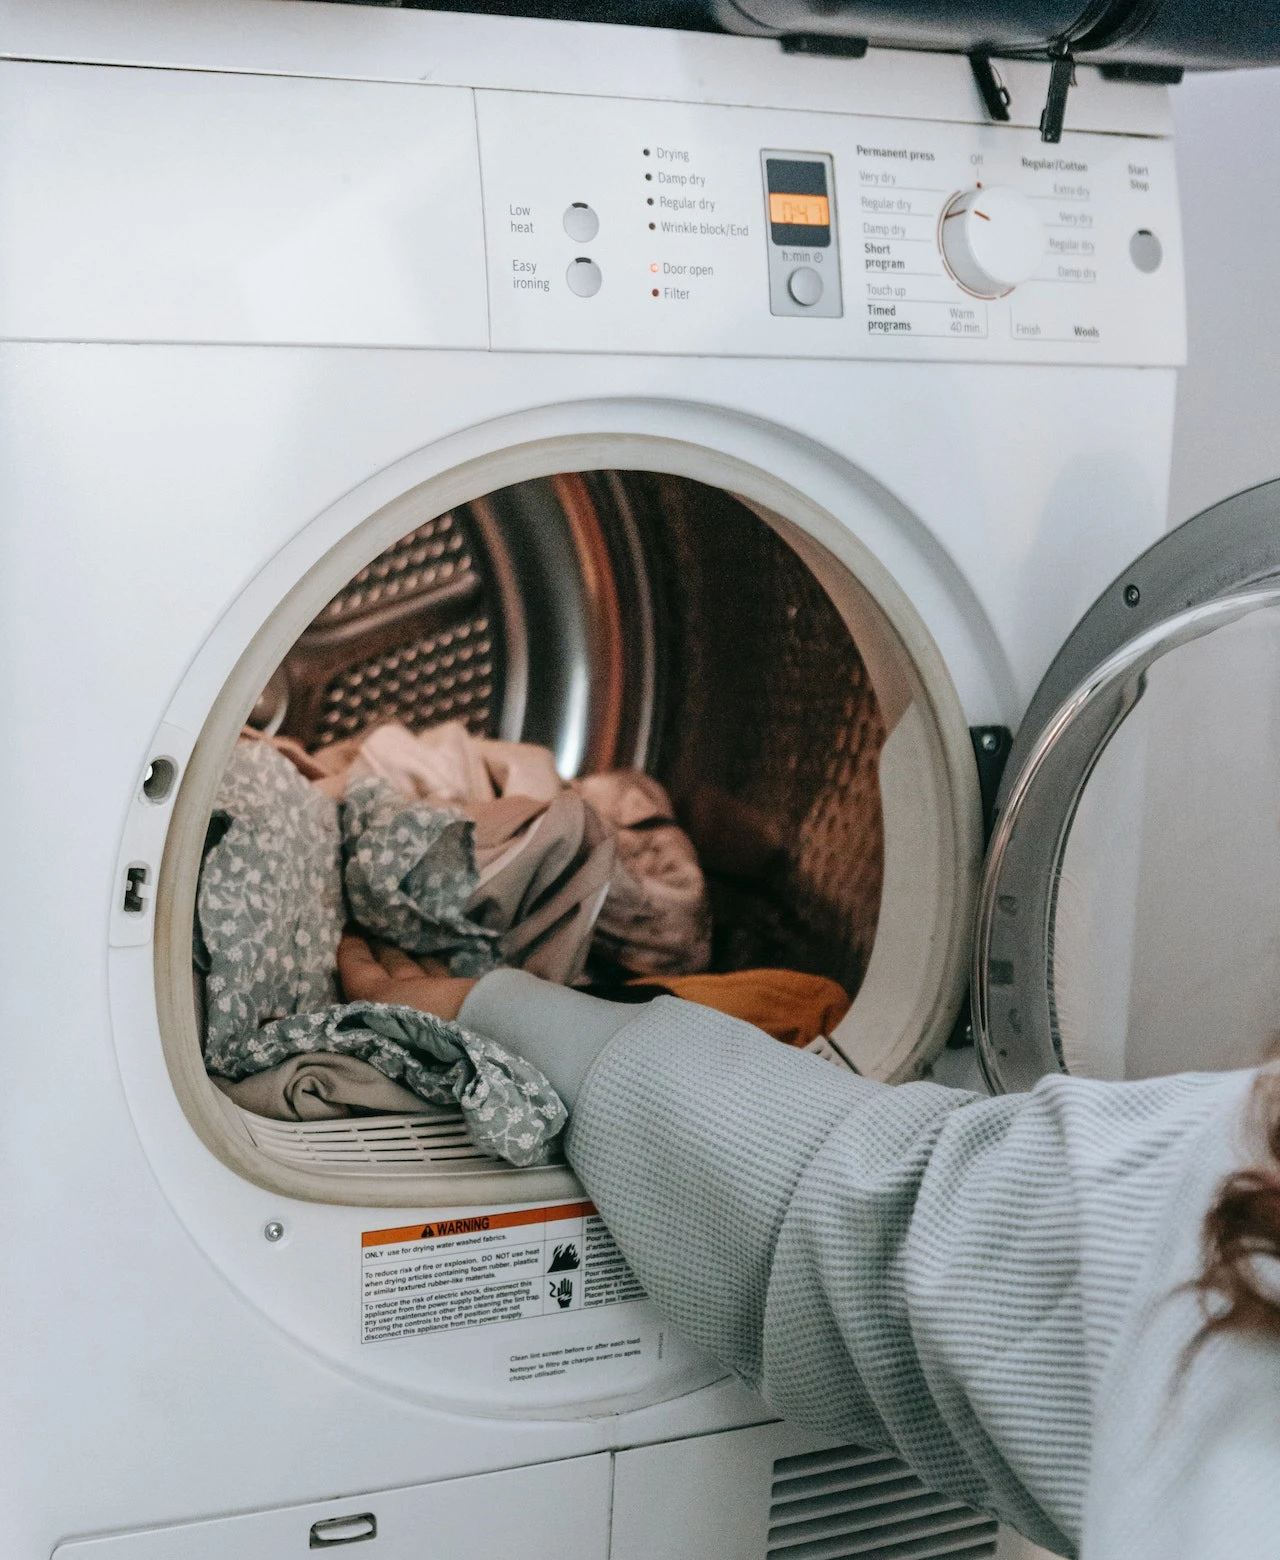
<point>1129,918</point>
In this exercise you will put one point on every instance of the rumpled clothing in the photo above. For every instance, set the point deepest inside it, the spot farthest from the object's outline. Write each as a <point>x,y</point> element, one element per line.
<point>412,879</point>
<point>269,908</point>
<point>546,871</point>
<point>409,872</point>
<point>657,918</point>
<point>794,1008</point>
<point>510,1109</point>
<point>517,881</point>
<point>319,1086</point>
<point>447,764</point>
<point>326,768</point>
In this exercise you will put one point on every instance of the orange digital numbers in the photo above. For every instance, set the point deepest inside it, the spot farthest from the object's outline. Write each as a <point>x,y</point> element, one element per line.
<point>799,210</point>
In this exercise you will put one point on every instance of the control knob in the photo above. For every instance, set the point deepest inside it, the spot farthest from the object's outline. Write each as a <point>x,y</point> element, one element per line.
<point>991,239</point>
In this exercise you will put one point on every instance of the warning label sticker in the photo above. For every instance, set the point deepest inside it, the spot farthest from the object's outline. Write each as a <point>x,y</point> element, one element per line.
<point>489,1267</point>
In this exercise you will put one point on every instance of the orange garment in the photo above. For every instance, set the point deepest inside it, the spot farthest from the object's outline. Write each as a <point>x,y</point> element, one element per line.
<point>792,1007</point>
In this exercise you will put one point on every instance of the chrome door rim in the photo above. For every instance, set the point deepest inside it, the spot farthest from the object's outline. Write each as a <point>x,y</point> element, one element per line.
<point>1015,1016</point>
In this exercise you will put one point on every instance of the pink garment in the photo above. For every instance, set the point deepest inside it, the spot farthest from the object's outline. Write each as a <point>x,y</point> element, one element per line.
<point>657,918</point>
<point>642,902</point>
<point>447,765</point>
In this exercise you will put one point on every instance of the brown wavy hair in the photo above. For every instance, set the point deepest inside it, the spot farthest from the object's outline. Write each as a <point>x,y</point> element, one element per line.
<point>1242,1226</point>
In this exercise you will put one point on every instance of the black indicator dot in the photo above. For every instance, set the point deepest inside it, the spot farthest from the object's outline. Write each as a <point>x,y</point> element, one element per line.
<point>649,200</point>
<point>646,151</point>
<point>652,226</point>
<point>648,176</point>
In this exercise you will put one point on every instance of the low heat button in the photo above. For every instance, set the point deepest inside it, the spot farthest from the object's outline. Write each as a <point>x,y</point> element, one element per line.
<point>805,286</point>
<point>584,277</point>
<point>581,223</point>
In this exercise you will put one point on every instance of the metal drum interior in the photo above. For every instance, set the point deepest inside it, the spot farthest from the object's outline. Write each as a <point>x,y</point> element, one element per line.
<point>756,660</point>
<point>627,620</point>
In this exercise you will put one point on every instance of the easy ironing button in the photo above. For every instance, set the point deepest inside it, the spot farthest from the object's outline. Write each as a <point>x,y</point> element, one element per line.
<point>584,277</point>
<point>805,286</point>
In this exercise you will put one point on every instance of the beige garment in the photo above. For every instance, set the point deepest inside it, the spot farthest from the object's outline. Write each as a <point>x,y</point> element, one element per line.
<point>654,917</point>
<point>443,765</point>
<point>545,872</point>
<point>326,768</point>
<point>521,768</point>
<point>446,764</point>
<point>319,1086</point>
<point>657,918</point>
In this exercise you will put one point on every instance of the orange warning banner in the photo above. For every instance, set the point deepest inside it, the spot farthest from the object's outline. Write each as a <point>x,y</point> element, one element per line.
<point>472,1224</point>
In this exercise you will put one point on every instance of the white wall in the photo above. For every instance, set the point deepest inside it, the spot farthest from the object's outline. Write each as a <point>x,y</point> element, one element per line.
<point>1206,890</point>
<point>1228,150</point>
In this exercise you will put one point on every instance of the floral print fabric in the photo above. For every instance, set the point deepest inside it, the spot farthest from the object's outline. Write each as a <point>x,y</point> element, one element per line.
<point>270,912</point>
<point>509,1107</point>
<point>269,908</point>
<point>409,870</point>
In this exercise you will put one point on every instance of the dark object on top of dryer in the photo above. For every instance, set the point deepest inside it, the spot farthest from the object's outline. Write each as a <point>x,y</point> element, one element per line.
<point>1130,38</point>
<point>1164,33</point>
<point>684,15</point>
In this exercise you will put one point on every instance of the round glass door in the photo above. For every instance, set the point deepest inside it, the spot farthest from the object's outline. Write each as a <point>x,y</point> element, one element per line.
<point>1129,921</point>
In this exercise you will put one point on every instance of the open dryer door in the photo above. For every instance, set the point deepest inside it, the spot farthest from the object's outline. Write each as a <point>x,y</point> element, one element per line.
<point>1129,919</point>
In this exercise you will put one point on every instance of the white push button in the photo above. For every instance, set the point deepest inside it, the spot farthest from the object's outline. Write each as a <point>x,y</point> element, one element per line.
<point>584,277</point>
<point>805,286</point>
<point>581,223</point>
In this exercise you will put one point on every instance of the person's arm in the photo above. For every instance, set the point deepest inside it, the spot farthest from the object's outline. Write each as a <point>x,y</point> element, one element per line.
<point>996,1290</point>
<point>904,1267</point>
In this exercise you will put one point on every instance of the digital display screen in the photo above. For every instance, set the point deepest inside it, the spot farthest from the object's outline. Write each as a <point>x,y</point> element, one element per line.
<point>799,202</point>
<point>799,210</point>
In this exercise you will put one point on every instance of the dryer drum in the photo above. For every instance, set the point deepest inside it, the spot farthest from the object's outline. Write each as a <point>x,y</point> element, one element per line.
<point>795,709</point>
<point>628,620</point>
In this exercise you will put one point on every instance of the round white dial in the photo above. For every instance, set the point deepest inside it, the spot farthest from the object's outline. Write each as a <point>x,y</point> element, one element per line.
<point>991,239</point>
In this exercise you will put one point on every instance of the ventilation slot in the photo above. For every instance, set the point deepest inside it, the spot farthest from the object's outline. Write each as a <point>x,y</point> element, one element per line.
<point>847,1502</point>
<point>436,1140</point>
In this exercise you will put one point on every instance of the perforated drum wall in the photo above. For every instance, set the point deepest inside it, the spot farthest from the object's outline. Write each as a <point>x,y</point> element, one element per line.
<point>771,741</point>
<point>625,618</point>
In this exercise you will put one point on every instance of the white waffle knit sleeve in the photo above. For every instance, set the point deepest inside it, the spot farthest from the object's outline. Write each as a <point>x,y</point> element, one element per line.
<point>968,1282</point>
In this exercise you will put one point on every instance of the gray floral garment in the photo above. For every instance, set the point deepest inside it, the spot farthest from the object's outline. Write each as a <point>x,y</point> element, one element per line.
<point>509,1107</point>
<point>270,911</point>
<point>409,870</point>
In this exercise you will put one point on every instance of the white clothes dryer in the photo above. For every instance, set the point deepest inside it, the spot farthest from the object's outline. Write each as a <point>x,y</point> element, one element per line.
<point>766,421</point>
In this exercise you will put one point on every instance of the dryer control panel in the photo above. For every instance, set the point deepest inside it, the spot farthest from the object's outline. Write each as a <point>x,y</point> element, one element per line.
<point>736,231</point>
<point>369,213</point>
<point>804,255</point>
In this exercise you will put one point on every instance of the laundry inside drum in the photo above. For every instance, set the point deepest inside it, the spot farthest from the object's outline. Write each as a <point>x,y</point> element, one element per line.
<point>641,652</point>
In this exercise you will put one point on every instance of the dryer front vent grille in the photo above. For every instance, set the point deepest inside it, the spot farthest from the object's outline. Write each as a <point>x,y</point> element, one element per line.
<point>842,1503</point>
<point>436,1140</point>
